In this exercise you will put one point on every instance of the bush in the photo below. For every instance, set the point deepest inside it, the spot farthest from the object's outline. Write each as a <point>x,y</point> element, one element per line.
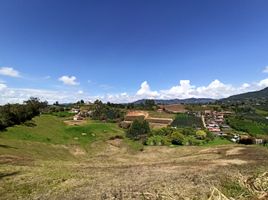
<point>177,138</point>
<point>200,134</point>
<point>246,140</point>
<point>188,131</point>
<point>192,141</point>
<point>157,140</point>
<point>162,132</point>
<point>138,129</point>
<point>210,136</point>
<point>265,142</point>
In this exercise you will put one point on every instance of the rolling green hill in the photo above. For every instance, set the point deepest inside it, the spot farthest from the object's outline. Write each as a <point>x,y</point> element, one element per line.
<point>257,95</point>
<point>52,129</point>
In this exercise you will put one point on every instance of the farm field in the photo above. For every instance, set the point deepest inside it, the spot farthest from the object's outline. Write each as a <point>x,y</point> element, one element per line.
<point>105,165</point>
<point>156,119</point>
<point>156,114</point>
<point>174,108</point>
<point>184,120</point>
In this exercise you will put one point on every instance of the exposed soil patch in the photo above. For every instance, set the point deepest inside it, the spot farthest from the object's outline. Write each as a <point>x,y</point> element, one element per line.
<point>77,151</point>
<point>235,151</point>
<point>223,162</point>
<point>15,160</point>
<point>75,122</point>
<point>115,142</point>
<point>174,108</point>
<point>155,122</point>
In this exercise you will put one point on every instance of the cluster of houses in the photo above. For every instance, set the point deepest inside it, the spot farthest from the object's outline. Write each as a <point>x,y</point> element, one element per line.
<point>214,121</point>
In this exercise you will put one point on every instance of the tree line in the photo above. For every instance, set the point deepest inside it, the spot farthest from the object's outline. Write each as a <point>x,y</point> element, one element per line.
<point>14,114</point>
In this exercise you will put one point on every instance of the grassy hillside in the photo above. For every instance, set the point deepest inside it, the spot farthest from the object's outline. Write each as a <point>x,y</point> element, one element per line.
<point>52,129</point>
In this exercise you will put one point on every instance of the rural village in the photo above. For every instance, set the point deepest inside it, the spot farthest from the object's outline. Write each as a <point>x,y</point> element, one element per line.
<point>213,121</point>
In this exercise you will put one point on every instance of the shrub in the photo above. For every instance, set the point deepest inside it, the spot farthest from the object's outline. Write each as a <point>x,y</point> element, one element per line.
<point>188,131</point>
<point>138,130</point>
<point>157,140</point>
<point>200,134</point>
<point>192,141</point>
<point>265,142</point>
<point>246,140</point>
<point>177,138</point>
<point>210,136</point>
<point>162,131</point>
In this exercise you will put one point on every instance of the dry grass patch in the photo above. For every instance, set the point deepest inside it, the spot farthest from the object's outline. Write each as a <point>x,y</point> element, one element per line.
<point>155,173</point>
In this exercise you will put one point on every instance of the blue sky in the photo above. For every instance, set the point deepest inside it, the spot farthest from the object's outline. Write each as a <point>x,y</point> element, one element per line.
<point>130,49</point>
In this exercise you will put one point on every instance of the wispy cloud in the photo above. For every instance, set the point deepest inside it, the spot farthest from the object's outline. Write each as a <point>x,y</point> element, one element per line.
<point>265,70</point>
<point>9,71</point>
<point>80,92</point>
<point>68,80</point>
<point>105,86</point>
<point>2,86</point>
<point>47,77</point>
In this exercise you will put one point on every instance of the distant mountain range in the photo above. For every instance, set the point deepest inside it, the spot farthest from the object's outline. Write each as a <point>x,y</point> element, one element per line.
<point>179,101</point>
<point>256,95</point>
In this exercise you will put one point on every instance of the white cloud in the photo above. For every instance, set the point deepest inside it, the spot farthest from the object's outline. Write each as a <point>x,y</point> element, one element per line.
<point>265,70</point>
<point>263,83</point>
<point>215,89</point>
<point>245,86</point>
<point>105,86</point>
<point>145,91</point>
<point>9,71</point>
<point>2,86</point>
<point>68,80</point>
<point>18,95</point>
<point>183,90</point>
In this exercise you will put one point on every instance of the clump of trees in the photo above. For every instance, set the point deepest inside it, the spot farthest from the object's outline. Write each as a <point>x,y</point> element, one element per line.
<point>13,114</point>
<point>101,111</point>
<point>139,129</point>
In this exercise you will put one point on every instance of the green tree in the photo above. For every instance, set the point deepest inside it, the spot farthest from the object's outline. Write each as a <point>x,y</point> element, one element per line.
<point>149,104</point>
<point>11,114</point>
<point>138,129</point>
<point>98,110</point>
